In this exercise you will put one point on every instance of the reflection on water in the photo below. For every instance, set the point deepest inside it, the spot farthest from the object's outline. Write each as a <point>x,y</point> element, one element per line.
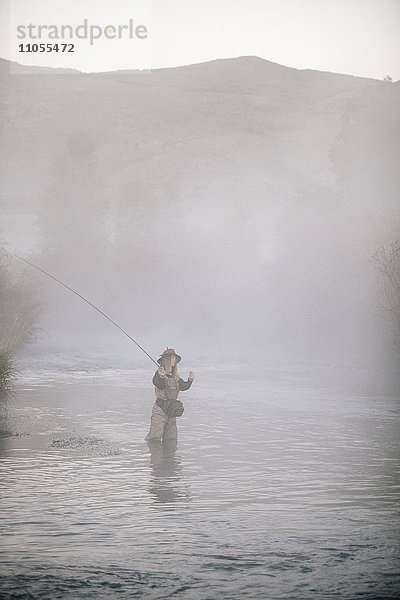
<point>286,493</point>
<point>166,482</point>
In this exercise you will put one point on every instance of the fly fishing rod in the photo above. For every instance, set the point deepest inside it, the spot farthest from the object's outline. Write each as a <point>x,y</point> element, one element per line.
<point>87,302</point>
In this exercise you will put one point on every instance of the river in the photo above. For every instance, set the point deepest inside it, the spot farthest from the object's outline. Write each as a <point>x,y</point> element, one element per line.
<point>280,486</point>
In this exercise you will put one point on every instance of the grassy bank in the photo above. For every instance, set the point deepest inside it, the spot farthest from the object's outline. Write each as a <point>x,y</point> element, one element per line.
<point>7,372</point>
<point>11,335</point>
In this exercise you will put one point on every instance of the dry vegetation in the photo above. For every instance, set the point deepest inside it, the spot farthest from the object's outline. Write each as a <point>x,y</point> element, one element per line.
<point>18,312</point>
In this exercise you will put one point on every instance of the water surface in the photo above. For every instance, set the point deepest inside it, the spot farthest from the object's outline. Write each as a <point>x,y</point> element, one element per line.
<point>279,487</point>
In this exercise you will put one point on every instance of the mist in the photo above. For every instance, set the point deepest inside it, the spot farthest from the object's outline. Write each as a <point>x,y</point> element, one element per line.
<point>230,209</point>
<point>246,215</point>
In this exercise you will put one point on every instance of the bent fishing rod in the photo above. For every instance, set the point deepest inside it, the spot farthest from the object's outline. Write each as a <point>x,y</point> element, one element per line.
<point>87,301</point>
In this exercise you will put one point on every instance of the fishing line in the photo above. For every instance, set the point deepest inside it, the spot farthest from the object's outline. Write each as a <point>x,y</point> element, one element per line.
<point>87,301</point>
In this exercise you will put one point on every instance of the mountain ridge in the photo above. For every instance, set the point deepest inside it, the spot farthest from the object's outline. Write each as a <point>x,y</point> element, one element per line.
<point>245,60</point>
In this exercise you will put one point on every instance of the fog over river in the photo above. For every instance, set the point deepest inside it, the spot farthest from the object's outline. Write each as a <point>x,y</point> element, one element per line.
<point>233,210</point>
<point>229,208</point>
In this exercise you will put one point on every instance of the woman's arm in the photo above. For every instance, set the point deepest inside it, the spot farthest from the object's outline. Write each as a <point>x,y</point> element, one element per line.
<point>185,385</point>
<point>159,381</point>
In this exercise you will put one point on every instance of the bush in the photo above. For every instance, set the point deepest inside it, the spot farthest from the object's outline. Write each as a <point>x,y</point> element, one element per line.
<point>7,372</point>
<point>18,313</point>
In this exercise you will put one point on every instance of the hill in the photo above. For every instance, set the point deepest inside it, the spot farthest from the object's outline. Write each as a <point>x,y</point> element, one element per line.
<point>238,172</point>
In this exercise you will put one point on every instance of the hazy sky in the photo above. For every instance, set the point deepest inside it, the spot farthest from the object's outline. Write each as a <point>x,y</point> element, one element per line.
<point>359,37</point>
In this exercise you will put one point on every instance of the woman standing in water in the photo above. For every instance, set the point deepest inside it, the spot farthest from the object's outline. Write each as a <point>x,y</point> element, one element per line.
<point>167,407</point>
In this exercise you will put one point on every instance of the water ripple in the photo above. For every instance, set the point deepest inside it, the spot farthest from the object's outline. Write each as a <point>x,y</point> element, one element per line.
<point>294,492</point>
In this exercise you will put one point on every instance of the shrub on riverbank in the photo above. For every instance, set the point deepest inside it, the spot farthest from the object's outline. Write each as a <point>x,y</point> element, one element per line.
<point>18,313</point>
<point>7,372</point>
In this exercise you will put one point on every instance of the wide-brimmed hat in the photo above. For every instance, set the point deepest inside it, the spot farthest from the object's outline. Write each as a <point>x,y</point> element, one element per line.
<point>169,352</point>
